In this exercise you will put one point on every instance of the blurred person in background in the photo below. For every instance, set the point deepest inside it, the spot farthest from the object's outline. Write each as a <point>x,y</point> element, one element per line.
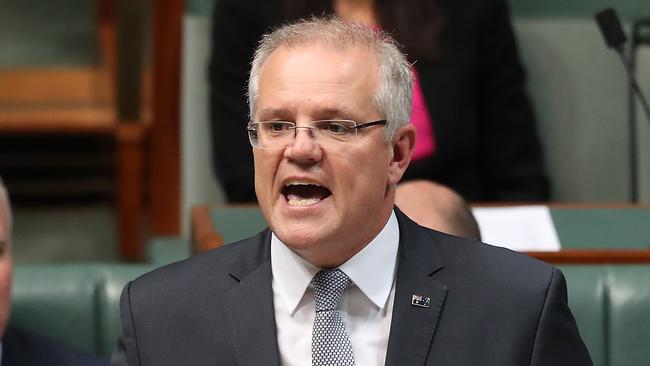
<point>20,348</point>
<point>437,207</point>
<point>475,126</point>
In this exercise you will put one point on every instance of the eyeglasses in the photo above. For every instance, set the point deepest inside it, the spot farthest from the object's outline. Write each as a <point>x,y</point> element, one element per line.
<point>280,134</point>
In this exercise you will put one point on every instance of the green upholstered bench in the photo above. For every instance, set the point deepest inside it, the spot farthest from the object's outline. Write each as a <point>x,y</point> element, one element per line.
<point>611,305</point>
<point>77,304</point>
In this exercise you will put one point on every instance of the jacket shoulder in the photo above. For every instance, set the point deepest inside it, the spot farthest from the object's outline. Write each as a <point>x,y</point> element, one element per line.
<point>212,268</point>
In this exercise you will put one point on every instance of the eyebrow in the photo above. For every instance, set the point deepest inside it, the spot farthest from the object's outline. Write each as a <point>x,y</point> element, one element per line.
<point>271,112</point>
<point>324,113</point>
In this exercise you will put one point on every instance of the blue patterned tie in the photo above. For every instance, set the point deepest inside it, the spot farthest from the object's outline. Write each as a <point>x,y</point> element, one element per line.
<point>330,345</point>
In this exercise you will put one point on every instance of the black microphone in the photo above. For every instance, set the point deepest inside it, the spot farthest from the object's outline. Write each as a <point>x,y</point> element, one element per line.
<point>610,27</point>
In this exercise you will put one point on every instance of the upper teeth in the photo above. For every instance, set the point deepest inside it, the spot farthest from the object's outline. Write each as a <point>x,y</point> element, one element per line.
<point>300,183</point>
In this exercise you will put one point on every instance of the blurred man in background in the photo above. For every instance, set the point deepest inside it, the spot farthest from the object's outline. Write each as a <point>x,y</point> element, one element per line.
<point>19,348</point>
<point>437,207</point>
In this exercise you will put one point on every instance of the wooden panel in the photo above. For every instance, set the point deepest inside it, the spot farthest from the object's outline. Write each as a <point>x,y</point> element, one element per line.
<point>60,84</point>
<point>130,163</point>
<point>82,99</point>
<point>58,119</point>
<point>586,256</point>
<point>204,237</point>
<point>164,167</point>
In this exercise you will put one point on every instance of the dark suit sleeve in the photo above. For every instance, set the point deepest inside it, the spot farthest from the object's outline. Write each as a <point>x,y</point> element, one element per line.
<point>127,347</point>
<point>558,341</point>
<point>512,163</point>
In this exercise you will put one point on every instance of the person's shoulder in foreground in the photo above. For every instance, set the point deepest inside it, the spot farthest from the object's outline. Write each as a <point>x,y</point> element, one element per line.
<point>20,348</point>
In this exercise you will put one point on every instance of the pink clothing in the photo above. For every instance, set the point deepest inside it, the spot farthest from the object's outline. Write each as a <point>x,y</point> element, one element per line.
<point>425,142</point>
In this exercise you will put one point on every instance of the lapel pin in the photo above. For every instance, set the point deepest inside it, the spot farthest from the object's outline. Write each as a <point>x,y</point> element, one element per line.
<point>420,301</point>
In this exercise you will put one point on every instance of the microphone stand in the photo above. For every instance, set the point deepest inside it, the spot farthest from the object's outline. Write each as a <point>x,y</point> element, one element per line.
<point>614,35</point>
<point>638,38</point>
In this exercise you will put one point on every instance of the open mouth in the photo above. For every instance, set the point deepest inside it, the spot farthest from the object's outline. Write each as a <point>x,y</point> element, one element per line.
<point>304,194</point>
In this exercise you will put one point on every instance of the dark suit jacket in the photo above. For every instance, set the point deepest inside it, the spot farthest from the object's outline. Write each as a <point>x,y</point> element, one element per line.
<point>487,147</point>
<point>20,348</point>
<point>489,306</point>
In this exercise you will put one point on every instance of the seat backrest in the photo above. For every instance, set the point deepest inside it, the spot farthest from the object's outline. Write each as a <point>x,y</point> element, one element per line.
<point>611,305</point>
<point>235,223</point>
<point>77,304</point>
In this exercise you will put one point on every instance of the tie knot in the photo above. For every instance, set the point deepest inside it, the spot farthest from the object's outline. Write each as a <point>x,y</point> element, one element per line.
<point>329,284</point>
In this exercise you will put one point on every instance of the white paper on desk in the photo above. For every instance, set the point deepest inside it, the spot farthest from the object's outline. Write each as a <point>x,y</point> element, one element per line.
<point>520,228</point>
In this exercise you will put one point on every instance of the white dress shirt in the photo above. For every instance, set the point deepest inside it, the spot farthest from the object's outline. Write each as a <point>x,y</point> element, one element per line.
<point>366,307</point>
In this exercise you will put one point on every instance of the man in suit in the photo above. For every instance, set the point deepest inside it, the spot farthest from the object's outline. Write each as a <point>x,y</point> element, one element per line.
<point>342,277</point>
<point>20,348</point>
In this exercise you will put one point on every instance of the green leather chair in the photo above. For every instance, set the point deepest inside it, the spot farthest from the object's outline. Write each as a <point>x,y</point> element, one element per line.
<point>611,305</point>
<point>74,303</point>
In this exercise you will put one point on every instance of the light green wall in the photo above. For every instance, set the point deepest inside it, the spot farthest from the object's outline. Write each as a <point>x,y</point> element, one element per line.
<point>35,32</point>
<point>199,185</point>
<point>200,7</point>
<point>627,9</point>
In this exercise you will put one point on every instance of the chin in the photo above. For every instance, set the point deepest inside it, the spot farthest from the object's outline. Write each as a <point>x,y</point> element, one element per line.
<point>298,238</point>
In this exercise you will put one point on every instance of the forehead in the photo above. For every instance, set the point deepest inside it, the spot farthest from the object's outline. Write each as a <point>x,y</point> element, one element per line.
<point>319,76</point>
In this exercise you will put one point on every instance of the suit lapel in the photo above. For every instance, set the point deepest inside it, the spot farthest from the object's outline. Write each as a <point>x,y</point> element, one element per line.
<point>249,309</point>
<point>413,327</point>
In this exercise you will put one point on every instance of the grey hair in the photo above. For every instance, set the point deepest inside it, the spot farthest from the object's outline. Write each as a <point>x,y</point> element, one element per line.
<point>394,94</point>
<point>4,204</point>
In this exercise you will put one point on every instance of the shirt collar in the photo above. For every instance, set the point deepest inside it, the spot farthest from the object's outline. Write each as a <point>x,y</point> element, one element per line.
<point>372,269</point>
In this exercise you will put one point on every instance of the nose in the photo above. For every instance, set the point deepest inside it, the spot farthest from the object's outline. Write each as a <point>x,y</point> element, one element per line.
<point>304,147</point>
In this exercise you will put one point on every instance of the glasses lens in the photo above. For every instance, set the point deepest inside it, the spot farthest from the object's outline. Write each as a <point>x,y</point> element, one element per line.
<point>253,136</point>
<point>272,134</point>
<point>335,130</point>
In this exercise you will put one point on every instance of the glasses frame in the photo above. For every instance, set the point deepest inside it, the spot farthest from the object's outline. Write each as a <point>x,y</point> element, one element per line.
<point>356,127</point>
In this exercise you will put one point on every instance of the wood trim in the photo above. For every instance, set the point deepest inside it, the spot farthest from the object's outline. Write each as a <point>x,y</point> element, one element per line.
<point>107,41</point>
<point>84,119</point>
<point>204,236</point>
<point>164,167</point>
<point>82,84</point>
<point>564,205</point>
<point>130,162</point>
<point>588,256</point>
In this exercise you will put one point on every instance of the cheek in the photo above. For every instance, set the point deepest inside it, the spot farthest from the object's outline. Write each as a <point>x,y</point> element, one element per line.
<point>363,176</point>
<point>265,169</point>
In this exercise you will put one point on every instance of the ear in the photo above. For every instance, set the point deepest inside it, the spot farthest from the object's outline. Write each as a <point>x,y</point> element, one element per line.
<point>402,145</point>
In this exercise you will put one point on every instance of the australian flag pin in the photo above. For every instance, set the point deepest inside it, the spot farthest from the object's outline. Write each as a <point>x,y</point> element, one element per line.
<point>421,301</point>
